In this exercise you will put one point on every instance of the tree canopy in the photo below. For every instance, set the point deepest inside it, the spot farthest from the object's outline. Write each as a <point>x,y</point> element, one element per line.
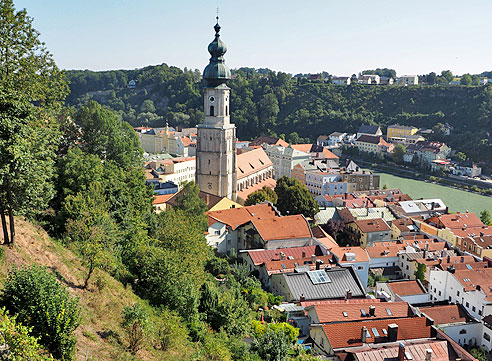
<point>294,198</point>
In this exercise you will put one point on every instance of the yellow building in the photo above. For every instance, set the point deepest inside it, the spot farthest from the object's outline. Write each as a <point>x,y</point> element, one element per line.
<point>225,203</point>
<point>401,131</point>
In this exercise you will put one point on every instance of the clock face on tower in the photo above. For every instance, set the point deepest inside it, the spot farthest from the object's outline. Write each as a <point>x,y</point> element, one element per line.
<point>211,99</point>
<point>209,185</point>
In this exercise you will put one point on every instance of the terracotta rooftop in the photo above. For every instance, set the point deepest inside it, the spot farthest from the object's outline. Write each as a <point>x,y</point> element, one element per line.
<point>289,265</point>
<point>348,334</point>
<point>252,162</point>
<point>269,182</point>
<point>286,227</point>
<point>406,288</point>
<point>458,220</point>
<point>472,231</point>
<point>344,254</point>
<point>372,225</point>
<point>342,312</point>
<point>345,302</point>
<point>390,249</point>
<point>445,314</point>
<point>417,350</point>
<point>306,148</point>
<point>235,217</point>
<point>162,198</point>
<point>260,256</point>
<point>470,279</point>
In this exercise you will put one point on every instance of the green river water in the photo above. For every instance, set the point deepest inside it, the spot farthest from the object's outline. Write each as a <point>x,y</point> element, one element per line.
<point>456,200</point>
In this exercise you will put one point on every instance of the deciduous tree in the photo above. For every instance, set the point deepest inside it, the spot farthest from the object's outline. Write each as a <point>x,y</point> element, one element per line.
<point>294,198</point>
<point>262,195</point>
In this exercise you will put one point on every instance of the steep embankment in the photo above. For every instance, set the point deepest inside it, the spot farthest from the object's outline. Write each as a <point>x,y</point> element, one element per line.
<point>99,333</point>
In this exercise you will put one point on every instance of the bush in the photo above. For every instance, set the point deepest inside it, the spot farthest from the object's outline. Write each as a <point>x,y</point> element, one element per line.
<point>40,301</point>
<point>137,325</point>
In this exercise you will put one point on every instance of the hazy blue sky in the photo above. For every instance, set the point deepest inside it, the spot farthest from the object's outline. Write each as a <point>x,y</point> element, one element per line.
<point>338,36</point>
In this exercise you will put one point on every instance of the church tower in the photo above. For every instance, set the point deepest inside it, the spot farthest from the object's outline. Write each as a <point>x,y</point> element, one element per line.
<point>216,139</point>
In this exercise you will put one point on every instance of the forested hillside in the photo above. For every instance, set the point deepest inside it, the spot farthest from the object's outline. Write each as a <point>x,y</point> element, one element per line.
<point>276,103</point>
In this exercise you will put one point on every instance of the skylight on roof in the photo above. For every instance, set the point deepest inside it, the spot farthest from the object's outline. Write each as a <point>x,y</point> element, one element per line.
<point>466,279</point>
<point>375,332</point>
<point>344,314</point>
<point>468,266</point>
<point>363,312</point>
<point>385,332</point>
<point>388,311</point>
<point>318,277</point>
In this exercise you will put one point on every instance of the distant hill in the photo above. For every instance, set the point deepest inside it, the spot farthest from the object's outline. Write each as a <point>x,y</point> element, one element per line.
<point>276,103</point>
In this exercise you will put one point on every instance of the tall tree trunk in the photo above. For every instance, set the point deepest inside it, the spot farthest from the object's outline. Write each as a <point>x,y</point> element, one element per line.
<point>11,225</point>
<point>89,273</point>
<point>4,225</point>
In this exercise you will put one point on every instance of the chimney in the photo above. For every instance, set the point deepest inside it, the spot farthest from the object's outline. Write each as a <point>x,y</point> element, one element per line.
<point>319,262</point>
<point>462,259</point>
<point>449,258</point>
<point>363,335</point>
<point>282,256</point>
<point>426,246</point>
<point>372,311</point>
<point>392,332</point>
<point>443,253</point>
<point>302,298</point>
<point>303,254</point>
<point>428,354</point>
<point>313,259</point>
<point>348,294</point>
<point>401,350</point>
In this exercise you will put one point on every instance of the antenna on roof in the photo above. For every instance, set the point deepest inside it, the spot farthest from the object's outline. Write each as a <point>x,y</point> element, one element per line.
<point>217,17</point>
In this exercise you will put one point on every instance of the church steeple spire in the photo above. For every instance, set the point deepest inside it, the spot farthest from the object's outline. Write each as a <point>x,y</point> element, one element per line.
<point>216,72</point>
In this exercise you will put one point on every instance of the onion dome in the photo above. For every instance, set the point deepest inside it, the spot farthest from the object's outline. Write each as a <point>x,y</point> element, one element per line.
<point>216,72</point>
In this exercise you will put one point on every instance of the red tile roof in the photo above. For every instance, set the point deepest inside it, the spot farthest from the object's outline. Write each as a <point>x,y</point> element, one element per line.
<point>445,314</point>
<point>269,182</point>
<point>349,301</point>
<point>440,352</point>
<point>472,231</point>
<point>162,198</point>
<point>236,217</point>
<point>306,148</point>
<point>458,220</point>
<point>406,288</point>
<point>341,253</point>
<point>372,225</point>
<point>260,256</point>
<point>390,249</point>
<point>348,334</point>
<point>251,162</point>
<point>289,265</point>
<point>333,312</point>
<point>286,227</point>
<point>470,279</point>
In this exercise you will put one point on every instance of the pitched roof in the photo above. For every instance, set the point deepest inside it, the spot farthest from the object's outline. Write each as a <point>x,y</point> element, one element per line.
<point>446,314</point>
<point>252,162</point>
<point>406,288</point>
<point>162,198</point>
<point>286,227</point>
<point>306,148</point>
<point>472,231</point>
<point>373,139</point>
<point>368,129</point>
<point>289,265</point>
<point>348,334</point>
<point>389,249</point>
<point>417,351</point>
<point>260,256</point>
<point>236,217</point>
<point>372,225</point>
<point>269,182</point>
<point>345,254</point>
<point>342,279</point>
<point>460,220</point>
<point>470,279</point>
<point>334,312</point>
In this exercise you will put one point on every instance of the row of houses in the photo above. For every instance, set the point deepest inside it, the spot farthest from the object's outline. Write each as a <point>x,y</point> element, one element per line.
<point>374,79</point>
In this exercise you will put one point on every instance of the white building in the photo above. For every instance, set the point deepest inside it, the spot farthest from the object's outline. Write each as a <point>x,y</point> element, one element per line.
<point>369,79</point>
<point>177,170</point>
<point>468,169</point>
<point>407,80</point>
<point>341,80</point>
<point>316,182</point>
<point>284,159</point>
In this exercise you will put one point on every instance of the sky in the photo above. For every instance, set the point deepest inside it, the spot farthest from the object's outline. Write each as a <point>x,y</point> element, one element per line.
<point>341,37</point>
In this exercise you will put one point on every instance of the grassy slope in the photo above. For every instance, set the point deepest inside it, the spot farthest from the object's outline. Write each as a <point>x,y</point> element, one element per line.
<point>101,309</point>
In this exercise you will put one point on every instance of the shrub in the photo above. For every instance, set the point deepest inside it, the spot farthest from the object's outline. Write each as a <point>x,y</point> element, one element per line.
<point>40,301</point>
<point>137,325</point>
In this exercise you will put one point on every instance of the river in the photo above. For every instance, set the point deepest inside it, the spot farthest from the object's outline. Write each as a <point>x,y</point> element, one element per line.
<point>455,199</point>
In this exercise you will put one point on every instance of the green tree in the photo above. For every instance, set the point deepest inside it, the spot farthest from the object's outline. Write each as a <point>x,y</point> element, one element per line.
<point>147,106</point>
<point>460,157</point>
<point>447,75</point>
<point>137,326</point>
<point>294,138</point>
<point>268,110</point>
<point>475,80</point>
<point>261,195</point>
<point>466,79</point>
<point>479,353</point>
<point>272,345</point>
<point>294,198</point>
<point>38,300</point>
<point>18,340</point>
<point>26,66</point>
<point>108,137</point>
<point>485,217</point>
<point>27,154</point>
<point>192,206</point>
<point>398,152</point>
<point>420,272</point>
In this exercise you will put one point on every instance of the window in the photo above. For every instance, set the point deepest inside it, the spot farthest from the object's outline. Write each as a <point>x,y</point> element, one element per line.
<point>439,293</point>
<point>462,331</point>
<point>467,305</point>
<point>212,111</point>
<point>486,336</point>
<point>449,298</point>
<point>457,293</point>
<point>217,233</point>
<point>360,267</point>
<point>474,309</point>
